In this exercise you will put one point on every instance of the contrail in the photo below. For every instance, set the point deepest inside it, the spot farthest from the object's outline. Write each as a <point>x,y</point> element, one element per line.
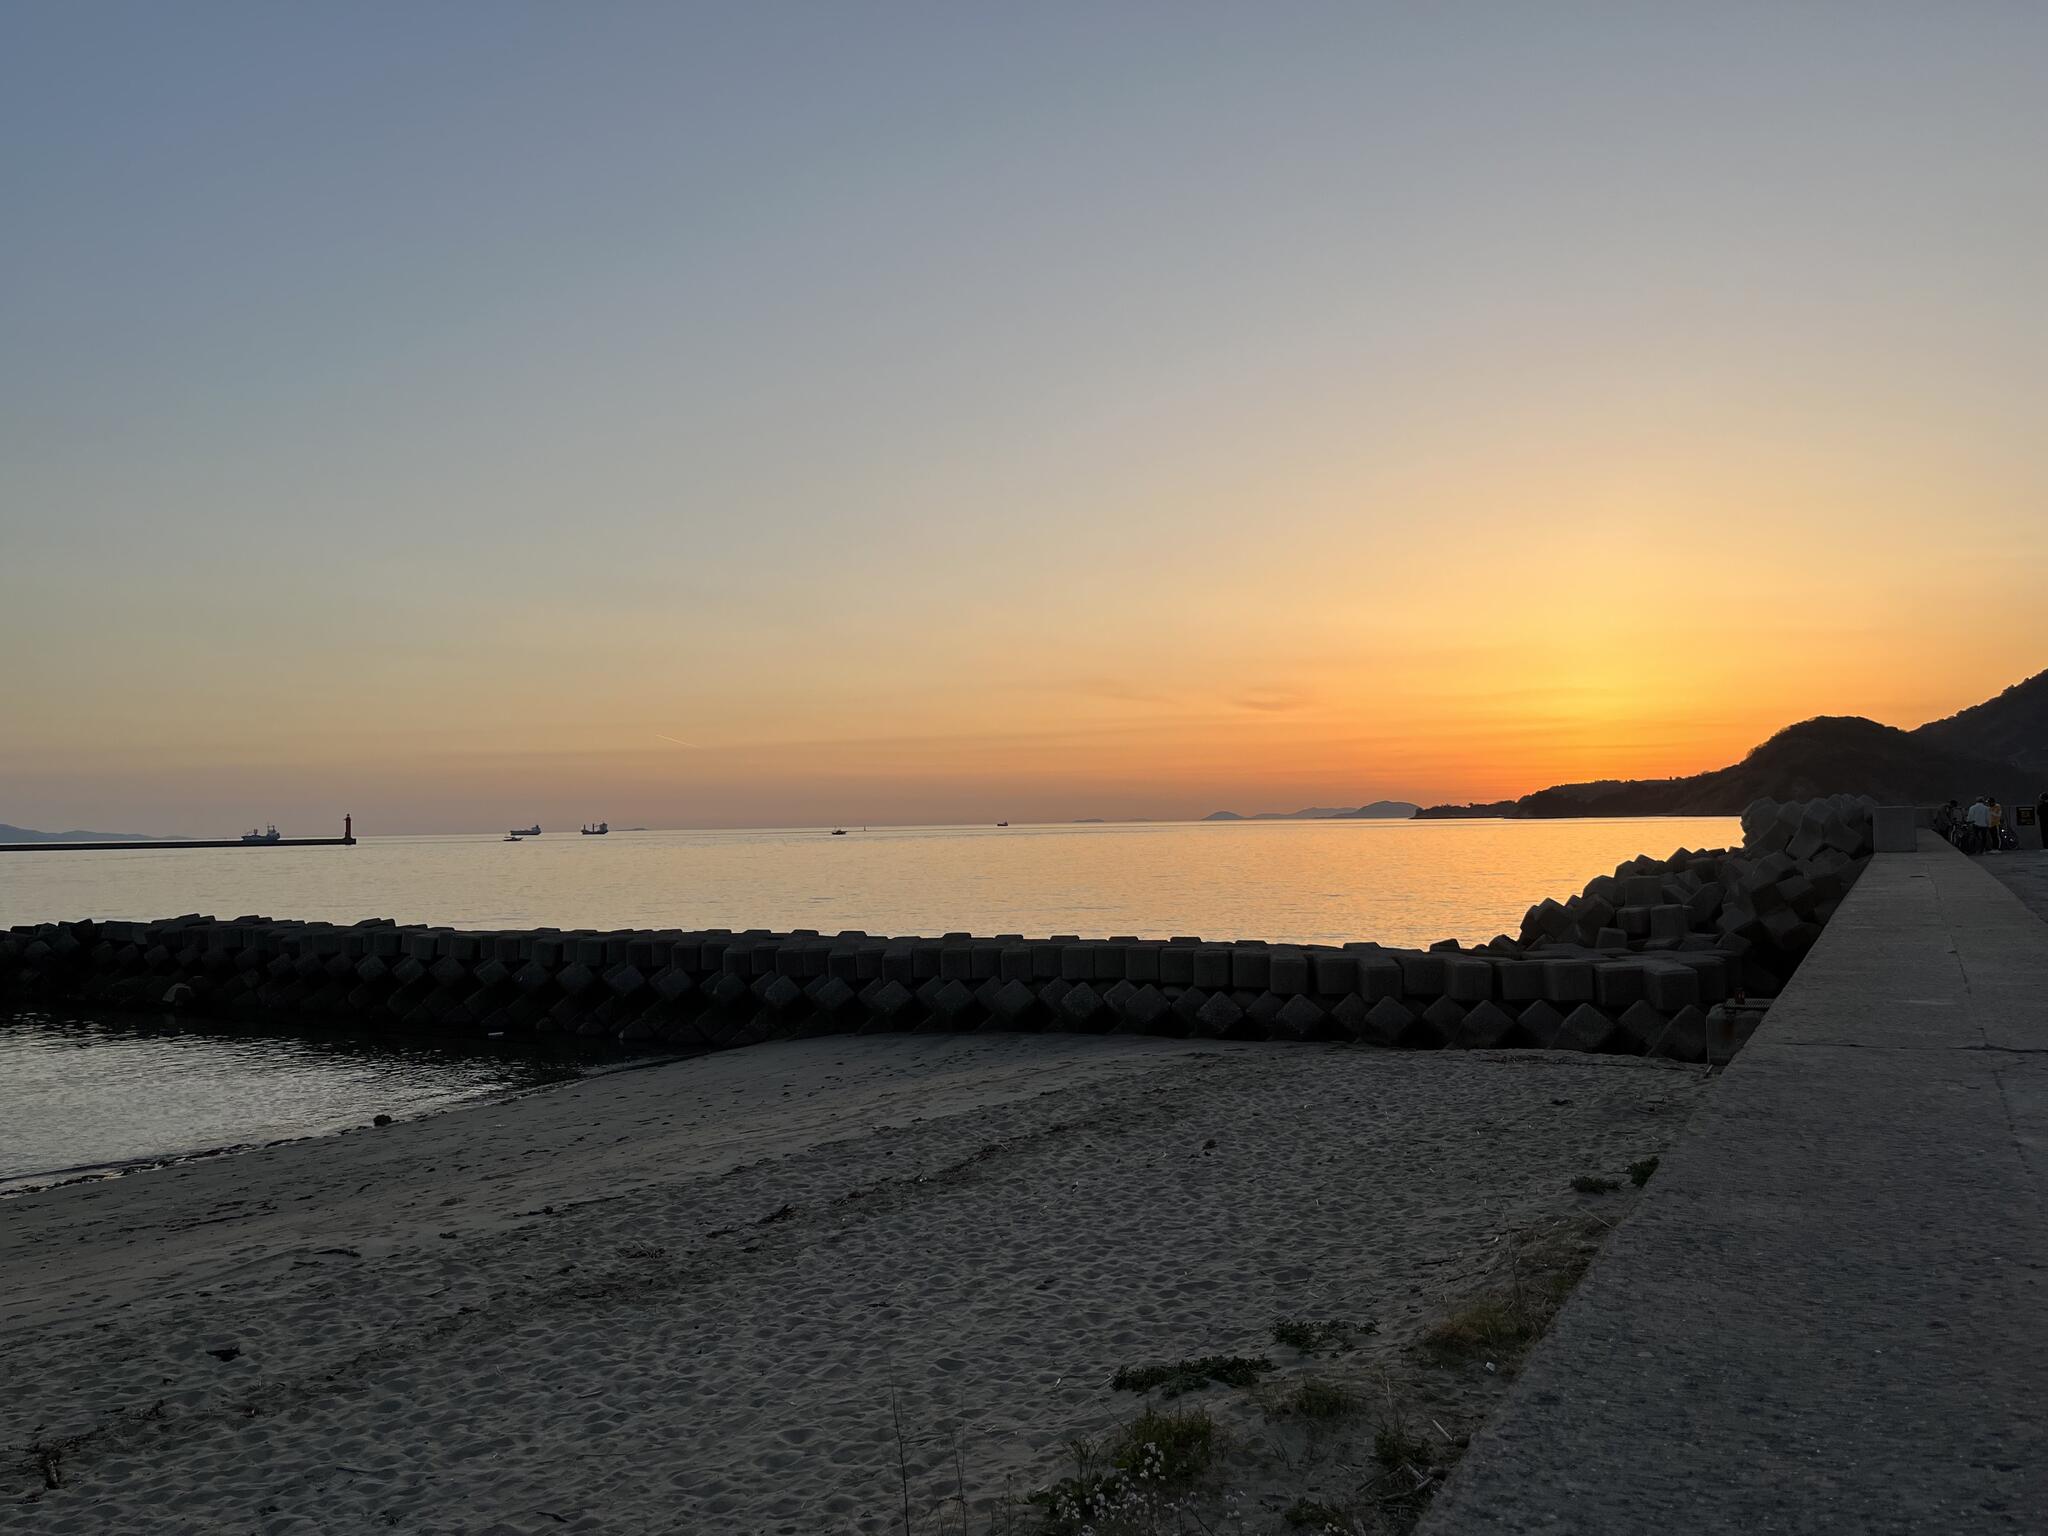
<point>690,744</point>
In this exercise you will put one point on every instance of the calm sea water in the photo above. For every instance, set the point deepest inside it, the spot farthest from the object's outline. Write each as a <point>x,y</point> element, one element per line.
<point>80,1093</point>
<point>84,1095</point>
<point>1301,882</point>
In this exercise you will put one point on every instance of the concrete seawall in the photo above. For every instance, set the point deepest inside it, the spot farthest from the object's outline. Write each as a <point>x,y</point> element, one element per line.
<point>1825,1315</point>
<point>721,989</point>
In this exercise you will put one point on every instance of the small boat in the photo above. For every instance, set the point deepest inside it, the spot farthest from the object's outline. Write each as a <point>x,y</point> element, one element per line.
<point>839,831</point>
<point>597,831</point>
<point>1002,823</point>
<point>532,831</point>
<point>269,835</point>
<point>514,837</point>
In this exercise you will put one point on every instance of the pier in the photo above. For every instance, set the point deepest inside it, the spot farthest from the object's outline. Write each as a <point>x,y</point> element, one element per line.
<point>166,843</point>
<point>134,845</point>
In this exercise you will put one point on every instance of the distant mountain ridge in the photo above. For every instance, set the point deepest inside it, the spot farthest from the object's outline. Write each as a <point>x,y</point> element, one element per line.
<point>1999,747</point>
<point>1379,810</point>
<point>30,835</point>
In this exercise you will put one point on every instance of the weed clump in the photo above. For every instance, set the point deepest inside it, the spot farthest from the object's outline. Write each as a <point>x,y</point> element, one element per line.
<point>1312,1337</point>
<point>1486,1327</point>
<point>1130,1480</point>
<point>1169,1447</point>
<point>1639,1173</point>
<point>1314,1515</point>
<point>1589,1184</point>
<point>1395,1447</point>
<point>1191,1375</point>
<point>1411,1475</point>
<point>1319,1399</point>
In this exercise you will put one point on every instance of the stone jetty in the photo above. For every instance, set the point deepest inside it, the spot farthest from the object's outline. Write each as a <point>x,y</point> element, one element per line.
<point>1654,959</point>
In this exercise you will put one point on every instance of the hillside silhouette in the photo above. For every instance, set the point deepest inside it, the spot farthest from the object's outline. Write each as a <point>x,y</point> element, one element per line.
<point>1999,747</point>
<point>2011,729</point>
<point>11,834</point>
<point>1378,810</point>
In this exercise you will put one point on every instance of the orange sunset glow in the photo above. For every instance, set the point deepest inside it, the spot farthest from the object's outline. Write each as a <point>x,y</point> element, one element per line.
<point>1142,449</point>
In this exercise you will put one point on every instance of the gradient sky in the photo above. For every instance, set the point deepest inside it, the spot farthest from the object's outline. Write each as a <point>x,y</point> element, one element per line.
<point>778,414</point>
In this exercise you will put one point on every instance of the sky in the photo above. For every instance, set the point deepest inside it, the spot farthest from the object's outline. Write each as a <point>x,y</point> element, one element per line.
<point>794,414</point>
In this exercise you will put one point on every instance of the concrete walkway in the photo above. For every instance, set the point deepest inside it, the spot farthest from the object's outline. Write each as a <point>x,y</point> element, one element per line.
<point>2024,874</point>
<point>1831,1312</point>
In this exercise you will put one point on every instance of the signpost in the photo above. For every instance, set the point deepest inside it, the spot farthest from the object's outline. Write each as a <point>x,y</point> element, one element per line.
<point>2026,827</point>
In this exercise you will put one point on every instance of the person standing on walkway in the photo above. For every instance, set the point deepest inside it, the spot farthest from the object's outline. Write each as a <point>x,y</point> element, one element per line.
<point>1997,826</point>
<point>1979,818</point>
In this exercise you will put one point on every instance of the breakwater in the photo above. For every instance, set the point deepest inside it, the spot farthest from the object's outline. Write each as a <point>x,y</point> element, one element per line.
<point>1647,960</point>
<point>177,845</point>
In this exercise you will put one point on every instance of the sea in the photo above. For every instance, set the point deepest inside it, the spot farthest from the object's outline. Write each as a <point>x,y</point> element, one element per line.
<point>86,1095</point>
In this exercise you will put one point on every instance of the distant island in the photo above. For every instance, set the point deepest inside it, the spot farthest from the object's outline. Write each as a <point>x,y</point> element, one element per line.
<point>1999,747</point>
<point>30,835</point>
<point>1379,810</point>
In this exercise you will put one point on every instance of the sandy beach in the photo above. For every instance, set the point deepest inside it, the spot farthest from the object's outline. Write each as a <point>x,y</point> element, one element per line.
<point>704,1296</point>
